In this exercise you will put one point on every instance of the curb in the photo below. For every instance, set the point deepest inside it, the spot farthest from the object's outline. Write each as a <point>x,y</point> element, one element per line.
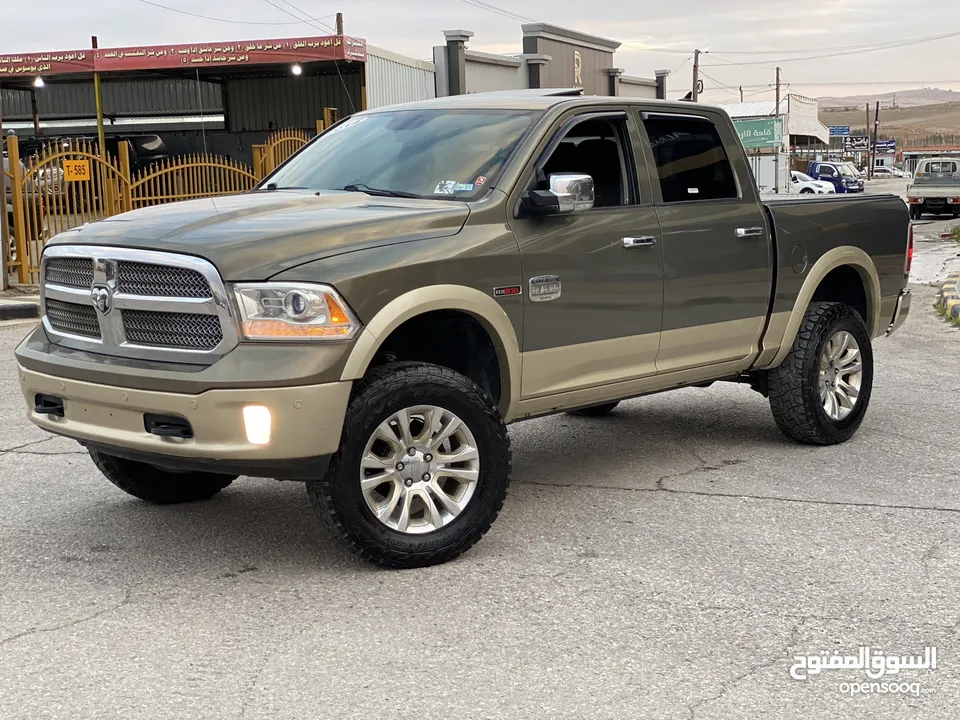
<point>19,311</point>
<point>949,300</point>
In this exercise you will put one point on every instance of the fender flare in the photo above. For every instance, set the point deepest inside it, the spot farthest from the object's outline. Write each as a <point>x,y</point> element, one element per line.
<point>471,301</point>
<point>829,261</point>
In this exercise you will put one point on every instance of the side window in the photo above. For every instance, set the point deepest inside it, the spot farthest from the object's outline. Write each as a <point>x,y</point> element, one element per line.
<point>691,161</point>
<point>596,148</point>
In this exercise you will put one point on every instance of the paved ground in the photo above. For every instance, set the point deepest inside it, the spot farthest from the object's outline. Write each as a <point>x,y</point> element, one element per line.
<point>665,562</point>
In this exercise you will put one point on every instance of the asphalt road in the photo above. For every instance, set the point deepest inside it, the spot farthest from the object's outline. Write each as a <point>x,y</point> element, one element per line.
<point>668,561</point>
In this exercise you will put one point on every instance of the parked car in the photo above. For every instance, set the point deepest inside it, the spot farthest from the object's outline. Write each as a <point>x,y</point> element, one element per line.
<point>376,311</point>
<point>842,176</point>
<point>806,185</point>
<point>882,171</point>
<point>935,188</point>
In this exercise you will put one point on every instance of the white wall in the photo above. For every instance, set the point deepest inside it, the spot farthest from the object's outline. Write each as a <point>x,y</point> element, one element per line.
<point>637,88</point>
<point>486,73</point>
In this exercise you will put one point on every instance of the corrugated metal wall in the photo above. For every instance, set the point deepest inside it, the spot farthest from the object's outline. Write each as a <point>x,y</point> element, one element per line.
<point>260,104</point>
<point>130,98</point>
<point>392,79</point>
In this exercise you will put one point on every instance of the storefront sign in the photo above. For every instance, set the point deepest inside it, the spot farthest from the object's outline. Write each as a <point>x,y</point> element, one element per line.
<point>839,131</point>
<point>762,133</point>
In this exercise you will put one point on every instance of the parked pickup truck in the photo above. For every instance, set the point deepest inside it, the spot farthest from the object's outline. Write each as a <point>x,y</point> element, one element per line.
<point>376,311</point>
<point>935,188</point>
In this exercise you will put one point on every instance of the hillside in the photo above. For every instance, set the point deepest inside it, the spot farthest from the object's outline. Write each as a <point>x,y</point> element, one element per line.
<point>900,99</point>
<point>909,124</point>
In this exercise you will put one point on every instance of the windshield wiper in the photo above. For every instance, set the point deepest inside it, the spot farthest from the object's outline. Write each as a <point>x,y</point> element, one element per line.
<point>273,187</point>
<point>379,192</point>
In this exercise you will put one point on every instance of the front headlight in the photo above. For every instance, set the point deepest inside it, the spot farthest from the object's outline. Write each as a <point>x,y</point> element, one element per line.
<point>293,311</point>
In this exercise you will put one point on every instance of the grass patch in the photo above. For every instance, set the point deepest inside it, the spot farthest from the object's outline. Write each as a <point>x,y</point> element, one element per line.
<point>942,312</point>
<point>955,231</point>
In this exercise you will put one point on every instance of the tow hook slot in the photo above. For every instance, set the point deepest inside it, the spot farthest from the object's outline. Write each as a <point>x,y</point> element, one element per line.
<point>167,426</point>
<point>48,405</point>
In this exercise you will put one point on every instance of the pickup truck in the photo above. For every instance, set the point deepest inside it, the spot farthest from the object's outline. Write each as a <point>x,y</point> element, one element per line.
<point>843,176</point>
<point>371,317</point>
<point>935,188</point>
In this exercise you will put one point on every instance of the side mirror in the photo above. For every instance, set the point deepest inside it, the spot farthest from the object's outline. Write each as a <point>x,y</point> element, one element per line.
<point>568,193</point>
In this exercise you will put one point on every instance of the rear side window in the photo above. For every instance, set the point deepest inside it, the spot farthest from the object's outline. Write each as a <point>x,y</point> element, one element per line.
<point>942,167</point>
<point>691,161</point>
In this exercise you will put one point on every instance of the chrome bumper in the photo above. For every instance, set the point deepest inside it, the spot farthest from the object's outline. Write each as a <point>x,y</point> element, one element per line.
<point>900,311</point>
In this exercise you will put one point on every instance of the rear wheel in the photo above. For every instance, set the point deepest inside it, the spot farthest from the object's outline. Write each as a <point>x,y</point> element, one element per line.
<point>422,470</point>
<point>595,410</point>
<point>820,392</point>
<point>157,486</point>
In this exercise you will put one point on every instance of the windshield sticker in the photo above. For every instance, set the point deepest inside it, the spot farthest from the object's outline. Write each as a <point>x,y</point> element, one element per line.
<point>464,187</point>
<point>481,180</point>
<point>446,187</point>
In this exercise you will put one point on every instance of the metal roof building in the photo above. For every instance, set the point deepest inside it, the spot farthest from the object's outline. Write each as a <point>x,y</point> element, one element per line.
<point>800,114</point>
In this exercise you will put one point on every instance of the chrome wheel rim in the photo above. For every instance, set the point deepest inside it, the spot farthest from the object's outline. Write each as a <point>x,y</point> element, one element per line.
<point>841,372</point>
<point>419,469</point>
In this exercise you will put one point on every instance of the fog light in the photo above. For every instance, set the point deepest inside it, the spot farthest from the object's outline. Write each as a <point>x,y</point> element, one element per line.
<point>257,420</point>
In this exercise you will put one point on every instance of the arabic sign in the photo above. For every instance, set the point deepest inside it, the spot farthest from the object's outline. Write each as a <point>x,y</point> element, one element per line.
<point>47,63</point>
<point>856,142</point>
<point>166,57</point>
<point>762,133</point>
<point>839,130</point>
<point>886,147</point>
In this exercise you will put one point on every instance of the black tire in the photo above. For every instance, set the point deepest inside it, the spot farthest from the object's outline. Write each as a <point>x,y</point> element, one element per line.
<point>594,410</point>
<point>915,212</point>
<point>793,386</point>
<point>337,497</point>
<point>806,191</point>
<point>158,486</point>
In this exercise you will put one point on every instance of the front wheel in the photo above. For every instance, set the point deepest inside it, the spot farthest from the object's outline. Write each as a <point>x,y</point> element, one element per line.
<point>806,191</point>
<point>159,486</point>
<point>422,469</point>
<point>820,392</point>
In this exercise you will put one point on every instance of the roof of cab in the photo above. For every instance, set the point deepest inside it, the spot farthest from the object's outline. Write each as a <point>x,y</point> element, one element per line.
<point>538,99</point>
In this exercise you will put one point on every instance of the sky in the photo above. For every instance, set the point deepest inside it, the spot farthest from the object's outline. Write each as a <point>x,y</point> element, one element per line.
<point>819,44</point>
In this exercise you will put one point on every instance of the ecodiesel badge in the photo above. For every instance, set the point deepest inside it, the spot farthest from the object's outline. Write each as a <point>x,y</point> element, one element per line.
<point>544,288</point>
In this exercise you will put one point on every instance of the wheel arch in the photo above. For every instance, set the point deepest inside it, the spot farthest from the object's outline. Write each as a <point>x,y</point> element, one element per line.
<point>420,301</point>
<point>840,257</point>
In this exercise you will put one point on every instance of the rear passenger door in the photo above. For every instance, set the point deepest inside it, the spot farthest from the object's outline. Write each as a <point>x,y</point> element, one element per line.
<point>717,251</point>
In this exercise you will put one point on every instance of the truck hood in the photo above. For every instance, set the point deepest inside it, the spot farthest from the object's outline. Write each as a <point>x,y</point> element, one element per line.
<point>257,235</point>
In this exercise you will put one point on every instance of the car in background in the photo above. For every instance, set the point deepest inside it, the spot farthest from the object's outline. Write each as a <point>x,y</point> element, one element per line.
<point>843,176</point>
<point>883,171</point>
<point>806,185</point>
<point>935,188</point>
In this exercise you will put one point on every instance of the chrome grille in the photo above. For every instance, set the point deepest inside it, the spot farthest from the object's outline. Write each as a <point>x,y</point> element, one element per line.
<point>139,304</point>
<point>70,272</point>
<point>139,278</point>
<point>174,330</point>
<point>73,319</point>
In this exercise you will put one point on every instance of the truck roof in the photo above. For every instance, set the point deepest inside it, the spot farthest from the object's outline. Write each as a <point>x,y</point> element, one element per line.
<point>538,99</point>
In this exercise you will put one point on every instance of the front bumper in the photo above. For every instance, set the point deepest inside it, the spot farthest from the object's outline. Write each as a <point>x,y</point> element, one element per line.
<point>900,310</point>
<point>306,421</point>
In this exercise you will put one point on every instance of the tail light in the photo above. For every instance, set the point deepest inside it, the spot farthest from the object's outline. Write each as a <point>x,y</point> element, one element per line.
<point>906,269</point>
<point>914,201</point>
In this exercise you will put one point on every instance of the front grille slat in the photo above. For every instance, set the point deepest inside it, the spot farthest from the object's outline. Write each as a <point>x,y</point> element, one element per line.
<point>70,272</point>
<point>137,278</point>
<point>73,319</point>
<point>188,331</point>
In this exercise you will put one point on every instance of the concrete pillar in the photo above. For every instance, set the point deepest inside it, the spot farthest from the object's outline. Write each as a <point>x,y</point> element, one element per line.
<point>661,76</point>
<point>457,60</point>
<point>534,64</point>
<point>615,75</point>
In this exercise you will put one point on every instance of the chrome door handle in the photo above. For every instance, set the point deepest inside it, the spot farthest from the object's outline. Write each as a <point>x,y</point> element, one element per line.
<point>643,241</point>
<point>749,232</point>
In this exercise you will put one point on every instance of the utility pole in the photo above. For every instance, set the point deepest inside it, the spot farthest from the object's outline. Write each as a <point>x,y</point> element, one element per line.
<point>776,158</point>
<point>866,131</point>
<point>98,98</point>
<point>695,94</point>
<point>741,93</point>
<point>873,149</point>
<point>4,230</point>
<point>340,24</point>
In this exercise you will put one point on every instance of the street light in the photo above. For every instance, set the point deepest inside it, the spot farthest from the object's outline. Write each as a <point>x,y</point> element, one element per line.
<point>296,70</point>
<point>38,82</point>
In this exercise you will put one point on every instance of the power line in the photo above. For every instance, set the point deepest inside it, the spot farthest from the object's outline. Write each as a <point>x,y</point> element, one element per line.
<point>497,10</point>
<point>719,85</point>
<point>314,20</point>
<point>680,66</point>
<point>214,19</point>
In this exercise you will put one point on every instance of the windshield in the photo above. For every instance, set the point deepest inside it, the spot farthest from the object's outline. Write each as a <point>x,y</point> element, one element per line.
<point>847,170</point>
<point>439,154</point>
<point>800,177</point>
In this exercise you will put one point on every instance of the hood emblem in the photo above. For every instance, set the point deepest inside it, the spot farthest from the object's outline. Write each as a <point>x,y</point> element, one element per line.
<point>102,298</point>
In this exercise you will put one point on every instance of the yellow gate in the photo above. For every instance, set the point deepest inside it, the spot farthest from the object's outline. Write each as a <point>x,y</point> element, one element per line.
<point>188,178</point>
<point>279,146</point>
<point>65,185</point>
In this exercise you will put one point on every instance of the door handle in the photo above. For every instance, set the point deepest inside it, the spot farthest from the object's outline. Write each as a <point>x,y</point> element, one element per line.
<point>643,241</point>
<point>749,232</point>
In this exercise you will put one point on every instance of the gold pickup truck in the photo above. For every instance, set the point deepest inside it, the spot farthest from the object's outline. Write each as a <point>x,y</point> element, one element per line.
<point>372,316</point>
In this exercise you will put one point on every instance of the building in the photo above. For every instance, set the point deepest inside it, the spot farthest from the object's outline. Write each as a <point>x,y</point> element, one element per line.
<point>549,56</point>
